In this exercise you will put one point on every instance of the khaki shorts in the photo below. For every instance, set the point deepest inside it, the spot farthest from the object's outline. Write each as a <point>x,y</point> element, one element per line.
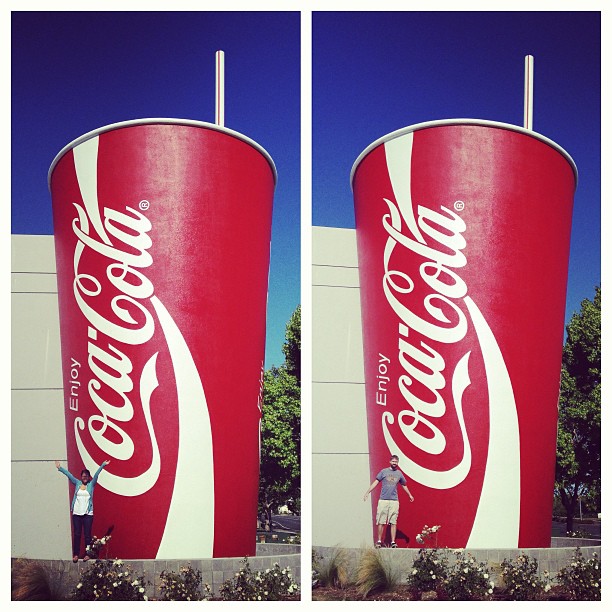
<point>387,512</point>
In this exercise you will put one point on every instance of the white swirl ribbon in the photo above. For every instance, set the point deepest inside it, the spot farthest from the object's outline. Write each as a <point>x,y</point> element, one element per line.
<point>189,531</point>
<point>497,520</point>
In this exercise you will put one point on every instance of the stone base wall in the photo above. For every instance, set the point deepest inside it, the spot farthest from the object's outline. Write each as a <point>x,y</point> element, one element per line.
<point>550,560</point>
<point>574,542</point>
<point>214,571</point>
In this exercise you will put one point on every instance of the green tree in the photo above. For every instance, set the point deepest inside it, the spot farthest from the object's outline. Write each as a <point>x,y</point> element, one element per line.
<point>279,479</point>
<point>293,345</point>
<point>578,469</point>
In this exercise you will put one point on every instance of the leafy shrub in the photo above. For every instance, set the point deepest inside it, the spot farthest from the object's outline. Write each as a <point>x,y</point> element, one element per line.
<point>271,585</point>
<point>581,579</point>
<point>107,580</point>
<point>373,574</point>
<point>468,580</point>
<point>429,570</point>
<point>522,580</point>
<point>184,586</point>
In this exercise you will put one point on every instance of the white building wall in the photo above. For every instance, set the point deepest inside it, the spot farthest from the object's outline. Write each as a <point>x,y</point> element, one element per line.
<point>40,511</point>
<point>340,469</point>
<point>40,518</point>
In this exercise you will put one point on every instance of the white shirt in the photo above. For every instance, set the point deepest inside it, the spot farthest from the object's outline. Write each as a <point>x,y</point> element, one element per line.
<point>82,502</point>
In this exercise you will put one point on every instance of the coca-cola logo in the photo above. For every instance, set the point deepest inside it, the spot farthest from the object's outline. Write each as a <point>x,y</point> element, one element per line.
<point>441,316</point>
<point>122,241</point>
<point>445,323</point>
<point>113,290</point>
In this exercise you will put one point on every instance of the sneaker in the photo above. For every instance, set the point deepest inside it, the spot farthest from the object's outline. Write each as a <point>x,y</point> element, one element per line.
<point>378,544</point>
<point>393,545</point>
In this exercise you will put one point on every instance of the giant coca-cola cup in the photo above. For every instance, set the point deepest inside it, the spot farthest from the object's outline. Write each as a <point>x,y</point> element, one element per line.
<point>162,234</point>
<point>463,232</point>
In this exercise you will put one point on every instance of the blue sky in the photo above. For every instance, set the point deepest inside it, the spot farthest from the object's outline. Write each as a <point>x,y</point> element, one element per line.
<point>373,72</point>
<point>73,72</point>
<point>376,72</point>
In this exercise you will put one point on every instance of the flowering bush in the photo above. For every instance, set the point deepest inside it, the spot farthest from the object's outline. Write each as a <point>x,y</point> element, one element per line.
<point>96,545</point>
<point>581,579</point>
<point>185,586</point>
<point>428,533</point>
<point>93,549</point>
<point>106,580</point>
<point>294,539</point>
<point>468,580</point>
<point>271,585</point>
<point>428,570</point>
<point>522,580</point>
<point>583,535</point>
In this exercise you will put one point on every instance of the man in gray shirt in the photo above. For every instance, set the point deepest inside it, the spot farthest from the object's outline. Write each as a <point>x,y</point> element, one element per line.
<point>388,502</point>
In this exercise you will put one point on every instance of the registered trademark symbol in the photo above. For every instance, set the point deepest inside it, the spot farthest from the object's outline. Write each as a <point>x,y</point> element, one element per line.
<point>459,205</point>
<point>144,205</point>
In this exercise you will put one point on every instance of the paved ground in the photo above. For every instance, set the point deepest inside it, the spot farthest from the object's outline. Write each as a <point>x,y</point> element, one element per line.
<point>286,522</point>
<point>559,529</point>
<point>291,523</point>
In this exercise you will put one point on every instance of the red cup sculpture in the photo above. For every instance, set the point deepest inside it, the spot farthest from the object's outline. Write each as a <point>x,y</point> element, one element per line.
<point>162,234</point>
<point>463,234</point>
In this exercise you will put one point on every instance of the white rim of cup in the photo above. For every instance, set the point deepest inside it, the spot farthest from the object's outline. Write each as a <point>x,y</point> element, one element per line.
<point>160,120</point>
<point>481,122</point>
